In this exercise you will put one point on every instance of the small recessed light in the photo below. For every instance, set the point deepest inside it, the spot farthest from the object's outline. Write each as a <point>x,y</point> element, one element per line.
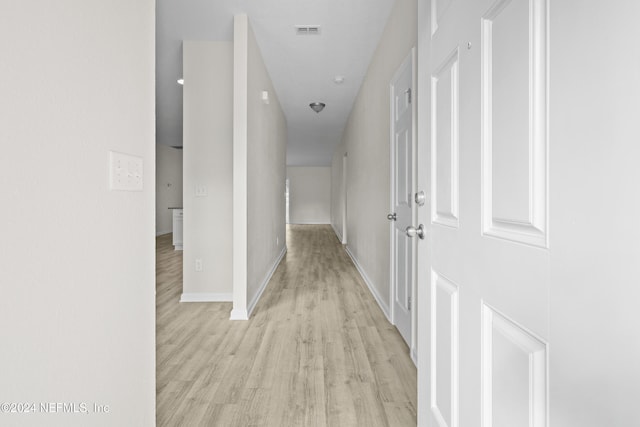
<point>180,81</point>
<point>338,80</point>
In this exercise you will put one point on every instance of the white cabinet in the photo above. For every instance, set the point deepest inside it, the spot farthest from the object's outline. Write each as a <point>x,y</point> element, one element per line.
<point>177,228</point>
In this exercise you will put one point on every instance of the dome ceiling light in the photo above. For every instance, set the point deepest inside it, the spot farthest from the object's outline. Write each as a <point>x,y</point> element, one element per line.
<point>317,106</point>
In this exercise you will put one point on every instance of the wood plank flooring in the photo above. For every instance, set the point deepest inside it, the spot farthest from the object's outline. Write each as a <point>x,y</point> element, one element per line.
<point>317,351</point>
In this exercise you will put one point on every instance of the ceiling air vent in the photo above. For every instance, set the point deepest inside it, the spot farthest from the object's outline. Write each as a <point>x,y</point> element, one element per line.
<point>307,30</point>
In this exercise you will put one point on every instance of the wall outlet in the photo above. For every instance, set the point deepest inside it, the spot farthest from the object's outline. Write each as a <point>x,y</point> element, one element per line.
<point>198,264</point>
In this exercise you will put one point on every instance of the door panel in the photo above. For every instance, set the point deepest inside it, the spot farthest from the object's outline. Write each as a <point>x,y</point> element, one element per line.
<point>438,9</point>
<point>506,82</point>
<point>514,184</point>
<point>403,188</point>
<point>444,350</point>
<point>403,169</point>
<point>403,253</point>
<point>488,262</point>
<point>444,142</point>
<point>514,373</point>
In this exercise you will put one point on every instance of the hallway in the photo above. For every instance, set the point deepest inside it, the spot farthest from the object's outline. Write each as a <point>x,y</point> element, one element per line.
<point>317,350</point>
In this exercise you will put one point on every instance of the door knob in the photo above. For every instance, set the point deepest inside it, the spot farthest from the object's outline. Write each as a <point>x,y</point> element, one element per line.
<point>391,217</point>
<point>412,231</point>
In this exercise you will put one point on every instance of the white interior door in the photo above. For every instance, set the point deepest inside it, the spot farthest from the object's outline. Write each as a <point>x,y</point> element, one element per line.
<point>528,325</point>
<point>402,192</point>
<point>487,291</point>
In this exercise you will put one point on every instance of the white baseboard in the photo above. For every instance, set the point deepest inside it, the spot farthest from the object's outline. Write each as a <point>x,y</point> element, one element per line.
<point>308,222</point>
<point>162,233</point>
<point>338,234</point>
<point>205,297</point>
<point>372,289</point>
<point>237,314</point>
<point>265,282</point>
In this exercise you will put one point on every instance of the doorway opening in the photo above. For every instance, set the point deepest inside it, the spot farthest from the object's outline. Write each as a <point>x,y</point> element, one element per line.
<point>286,201</point>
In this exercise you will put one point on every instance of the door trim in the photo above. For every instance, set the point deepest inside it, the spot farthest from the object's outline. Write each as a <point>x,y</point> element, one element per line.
<point>344,198</point>
<point>423,271</point>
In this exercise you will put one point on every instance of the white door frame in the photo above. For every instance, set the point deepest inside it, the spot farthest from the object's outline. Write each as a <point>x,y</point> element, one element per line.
<point>392,267</point>
<point>423,172</point>
<point>344,199</point>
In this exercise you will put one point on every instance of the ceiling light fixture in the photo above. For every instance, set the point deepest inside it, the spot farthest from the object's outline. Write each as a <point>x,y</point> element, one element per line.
<point>180,81</point>
<point>338,80</point>
<point>317,106</point>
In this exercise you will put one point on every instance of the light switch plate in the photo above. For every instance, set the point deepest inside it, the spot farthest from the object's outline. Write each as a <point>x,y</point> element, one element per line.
<point>125,172</point>
<point>201,191</point>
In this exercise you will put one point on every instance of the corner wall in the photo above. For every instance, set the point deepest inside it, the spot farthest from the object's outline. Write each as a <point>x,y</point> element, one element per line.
<point>207,152</point>
<point>366,139</point>
<point>77,260</point>
<point>259,141</point>
<point>168,186</point>
<point>309,194</point>
<point>266,143</point>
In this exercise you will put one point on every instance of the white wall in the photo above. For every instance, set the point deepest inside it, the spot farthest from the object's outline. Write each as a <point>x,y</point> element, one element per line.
<point>168,186</point>
<point>259,140</point>
<point>266,144</point>
<point>594,207</point>
<point>309,194</point>
<point>366,139</point>
<point>76,259</point>
<point>207,152</point>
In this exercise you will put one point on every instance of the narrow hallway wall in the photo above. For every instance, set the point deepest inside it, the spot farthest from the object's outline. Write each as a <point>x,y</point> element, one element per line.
<point>266,144</point>
<point>366,139</point>
<point>259,141</point>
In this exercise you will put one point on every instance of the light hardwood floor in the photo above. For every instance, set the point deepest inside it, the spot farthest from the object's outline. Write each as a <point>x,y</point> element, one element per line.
<point>317,351</point>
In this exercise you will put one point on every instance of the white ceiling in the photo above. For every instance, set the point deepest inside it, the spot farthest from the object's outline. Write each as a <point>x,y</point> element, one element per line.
<point>302,67</point>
